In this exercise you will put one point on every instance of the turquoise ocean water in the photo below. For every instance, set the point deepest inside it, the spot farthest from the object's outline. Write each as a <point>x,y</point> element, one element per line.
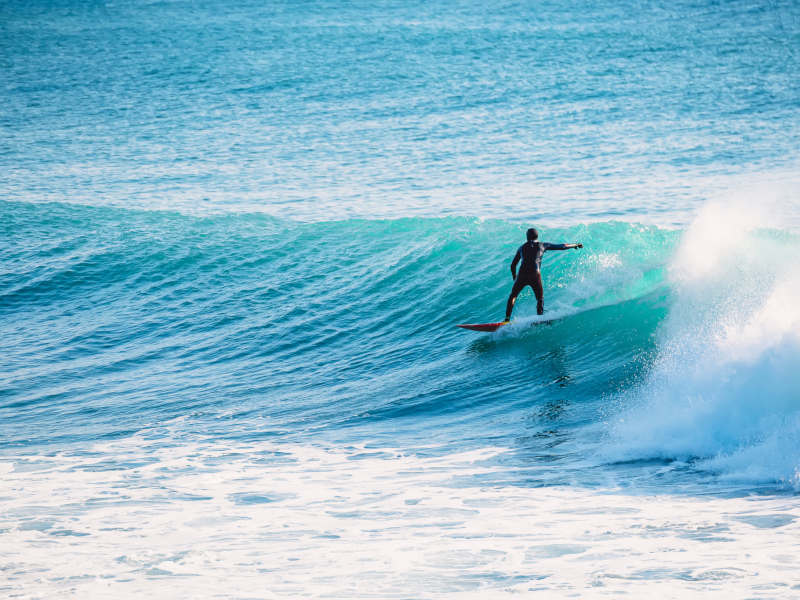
<point>235,238</point>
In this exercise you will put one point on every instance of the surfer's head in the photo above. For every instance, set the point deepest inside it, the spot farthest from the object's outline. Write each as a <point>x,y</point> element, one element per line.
<point>533,235</point>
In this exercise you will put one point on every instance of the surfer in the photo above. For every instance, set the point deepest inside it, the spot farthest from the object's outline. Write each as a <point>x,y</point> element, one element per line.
<point>530,270</point>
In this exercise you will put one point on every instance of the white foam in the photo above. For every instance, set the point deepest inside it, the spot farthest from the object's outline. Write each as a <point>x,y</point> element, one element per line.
<point>273,521</point>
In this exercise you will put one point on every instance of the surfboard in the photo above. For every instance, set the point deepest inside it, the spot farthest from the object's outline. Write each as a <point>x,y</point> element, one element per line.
<point>488,327</point>
<point>483,326</point>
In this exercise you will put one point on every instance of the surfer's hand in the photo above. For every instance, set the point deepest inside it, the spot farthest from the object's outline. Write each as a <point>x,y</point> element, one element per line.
<point>578,246</point>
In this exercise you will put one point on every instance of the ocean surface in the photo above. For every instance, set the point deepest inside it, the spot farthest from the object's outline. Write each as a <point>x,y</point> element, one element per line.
<point>236,238</point>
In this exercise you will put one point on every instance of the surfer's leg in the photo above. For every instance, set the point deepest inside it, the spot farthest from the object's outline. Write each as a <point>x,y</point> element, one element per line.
<point>536,284</point>
<point>512,297</point>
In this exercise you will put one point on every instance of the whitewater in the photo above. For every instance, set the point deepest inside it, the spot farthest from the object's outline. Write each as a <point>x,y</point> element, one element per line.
<point>236,238</point>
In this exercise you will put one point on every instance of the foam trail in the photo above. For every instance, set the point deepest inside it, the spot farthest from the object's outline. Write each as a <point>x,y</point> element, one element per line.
<point>726,386</point>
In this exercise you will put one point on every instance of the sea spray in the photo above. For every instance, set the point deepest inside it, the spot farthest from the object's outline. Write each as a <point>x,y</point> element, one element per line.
<point>724,390</point>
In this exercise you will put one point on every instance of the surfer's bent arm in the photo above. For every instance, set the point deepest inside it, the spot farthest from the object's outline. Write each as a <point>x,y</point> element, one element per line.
<point>561,246</point>
<point>514,264</point>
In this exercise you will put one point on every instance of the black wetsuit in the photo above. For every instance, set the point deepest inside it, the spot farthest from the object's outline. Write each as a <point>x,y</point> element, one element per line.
<point>530,253</point>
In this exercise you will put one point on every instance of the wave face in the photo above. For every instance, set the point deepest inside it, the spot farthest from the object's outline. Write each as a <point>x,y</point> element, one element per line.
<point>666,345</point>
<point>258,326</point>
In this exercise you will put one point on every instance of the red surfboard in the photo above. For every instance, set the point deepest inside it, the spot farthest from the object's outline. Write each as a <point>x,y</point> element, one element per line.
<point>483,326</point>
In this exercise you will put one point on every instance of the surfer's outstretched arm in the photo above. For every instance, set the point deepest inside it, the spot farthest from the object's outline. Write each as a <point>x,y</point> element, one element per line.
<point>561,246</point>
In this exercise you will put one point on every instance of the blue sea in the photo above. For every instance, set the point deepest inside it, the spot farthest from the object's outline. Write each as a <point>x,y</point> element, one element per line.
<point>236,238</point>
